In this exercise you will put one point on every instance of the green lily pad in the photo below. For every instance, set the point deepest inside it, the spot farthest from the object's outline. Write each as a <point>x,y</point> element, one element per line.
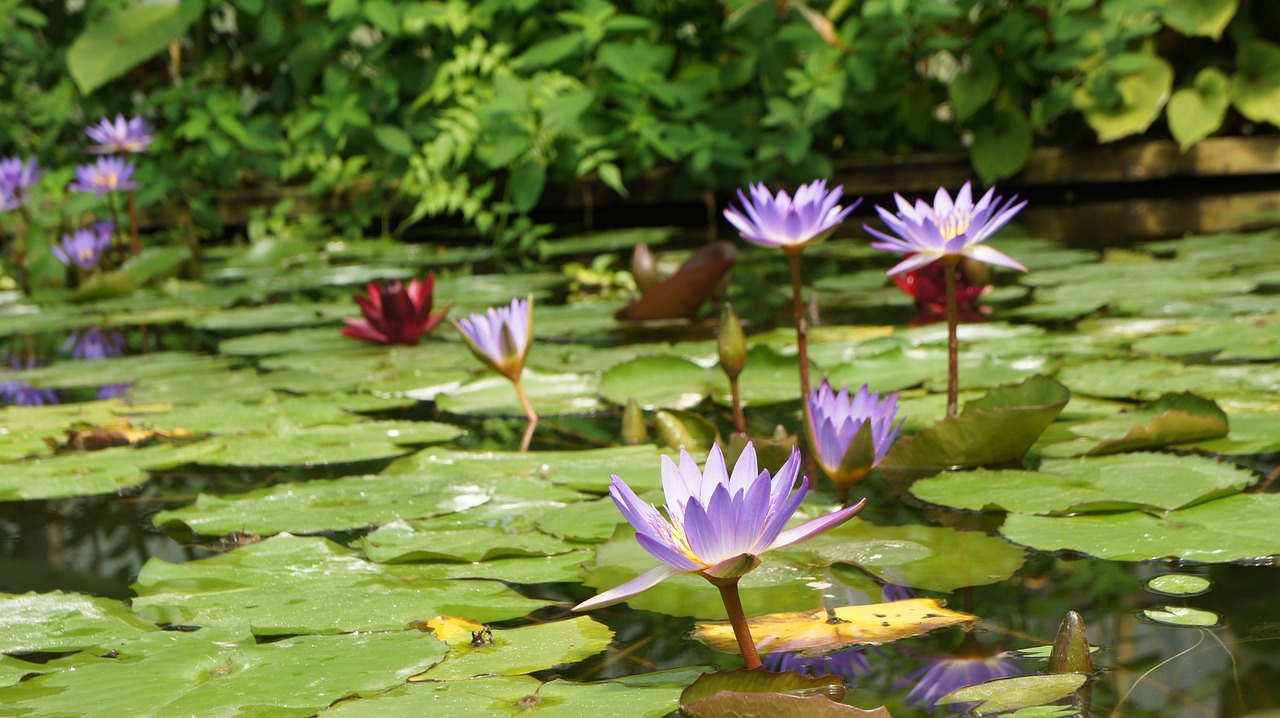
<point>593,521</point>
<point>1182,616</point>
<point>559,568</point>
<point>276,316</point>
<point>1178,584</point>
<point>1171,419</point>
<point>118,370</point>
<point>329,589</point>
<point>1158,481</point>
<point>398,542</point>
<point>93,473</point>
<point>1233,528</point>
<point>319,340</point>
<point>56,622</point>
<point>660,382</point>
<point>1253,338</point>
<point>1149,378</point>
<point>14,671</point>
<point>520,651</point>
<point>587,470</point>
<point>1007,694</point>
<point>483,696</point>
<point>550,395</point>
<point>728,694</point>
<point>213,671</point>
<point>996,429</point>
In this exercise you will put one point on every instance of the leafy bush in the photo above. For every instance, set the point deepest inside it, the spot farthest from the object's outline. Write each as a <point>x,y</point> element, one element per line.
<point>407,110</point>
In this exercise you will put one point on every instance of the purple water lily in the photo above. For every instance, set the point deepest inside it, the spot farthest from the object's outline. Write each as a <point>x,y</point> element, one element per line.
<point>85,246</point>
<point>121,136</point>
<point>716,524</point>
<point>849,665</point>
<point>946,229</point>
<point>836,420</point>
<point>789,222</point>
<point>16,179</point>
<point>500,336</point>
<point>22,393</point>
<point>94,343</point>
<point>106,175</point>
<point>968,667</point>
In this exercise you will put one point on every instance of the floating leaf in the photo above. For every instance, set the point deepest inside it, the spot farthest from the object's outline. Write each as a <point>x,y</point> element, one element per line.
<point>996,429</point>
<point>519,651</point>
<point>550,394</point>
<point>1171,419</point>
<point>56,622</point>
<point>1178,584</point>
<point>92,473</point>
<point>823,631</point>
<point>1182,616</point>
<point>1160,481</point>
<point>1233,528</point>
<point>398,542</point>
<point>729,694</point>
<point>1007,694</point>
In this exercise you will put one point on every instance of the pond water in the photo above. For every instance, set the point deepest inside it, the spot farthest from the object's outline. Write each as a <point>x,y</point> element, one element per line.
<point>292,490</point>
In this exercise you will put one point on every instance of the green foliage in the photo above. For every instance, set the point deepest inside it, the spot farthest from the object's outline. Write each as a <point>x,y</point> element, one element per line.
<point>471,110</point>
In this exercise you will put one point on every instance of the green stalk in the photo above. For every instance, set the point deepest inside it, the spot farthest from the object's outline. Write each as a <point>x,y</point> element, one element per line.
<point>528,412</point>
<point>802,329</point>
<point>133,223</point>
<point>949,264</point>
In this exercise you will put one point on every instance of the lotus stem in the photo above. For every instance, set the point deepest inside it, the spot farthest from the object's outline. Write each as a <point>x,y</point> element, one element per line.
<point>528,412</point>
<point>133,223</point>
<point>802,329</point>
<point>116,236</point>
<point>949,264</point>
<point>733,605</point>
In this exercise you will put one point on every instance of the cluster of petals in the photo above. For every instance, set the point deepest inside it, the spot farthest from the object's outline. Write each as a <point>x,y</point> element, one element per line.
<point>789,222</point>
<point>837,419</point>
<point>944,674</point>
<point>22,393</point>
<point>396,314</point>
<point>94,343</point>
<point>500,336</point>
<point>85,246</point>
<point>947,228</point>
<point>106,175</point>
<point>716,523</point>
<point>120,136</point>
<point>16,179</point>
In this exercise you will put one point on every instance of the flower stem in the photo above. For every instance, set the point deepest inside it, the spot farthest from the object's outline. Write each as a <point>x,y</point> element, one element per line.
<point>802,329</point>
<point>528,412</point>
<point>739,419</point>
<point>133,223</point>
<point>115,217</point>
<point>949,264</point>
<point>733,605</point>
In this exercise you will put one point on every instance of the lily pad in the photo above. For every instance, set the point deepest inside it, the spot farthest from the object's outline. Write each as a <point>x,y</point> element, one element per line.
<point>1181,616</point>
<point>329,589</point>
<point>1158,481</point>
<point>398,542</point>
<point>586,470</point>
<point>1171,419</point>
<point>92,473</point>
<point>1234,528</point>
<point>55,622</point>
<point>730,694</point>
<point>661,382</point>
<point>1007,694</point>
<point>1178,584</point>
<point>550,395</point>
<point>520,651</point>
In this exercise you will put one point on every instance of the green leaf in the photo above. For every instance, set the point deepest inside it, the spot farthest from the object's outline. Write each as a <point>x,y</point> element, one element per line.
<point>660,382</point>
<point>971,90</point>
<point>1206,18</point>
<point>384,14</point>
<point>549,52</point>
<point>1001,147</point>
<point>1127,481</point>
<point>520,651</point>
<point>550,395</point>
<point>1141,96</point>
<point>155,263</point>
<point>113,45</point>
<point>1182,616</point>
<point>93,473</point>
<point>1256,83</point>
<point>1198,111</point>
<point>728,694</point>
<point>1171,419</point>
<point>398,542</point>
<point>1178,584</point>
<point>58,622</point>
<point>394,140</point>
<point>527,179</point>
<point>1007,694</point>
<point>996,429</point>
<point>1233,528</point>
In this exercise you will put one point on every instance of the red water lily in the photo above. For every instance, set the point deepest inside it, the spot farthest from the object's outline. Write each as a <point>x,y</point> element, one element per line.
<point>927,285</point>
<point>396,314</point>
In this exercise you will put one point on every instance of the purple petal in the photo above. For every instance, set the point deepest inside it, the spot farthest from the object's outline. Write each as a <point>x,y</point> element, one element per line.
<point>643,582</point>
<point>915,261</point>
<point>666,553</point>
<point>812,528</point>
<point>990,255</point>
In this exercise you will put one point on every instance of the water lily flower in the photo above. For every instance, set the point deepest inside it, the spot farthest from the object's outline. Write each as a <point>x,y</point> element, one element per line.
<point>969,666</point>
<point>396,314</point>
<point>848,665</point>
<point>500,336</point>
<point>22,393</point>
<point>85,246</point>
<point>717,524</point>
<point>789,222</point>
<point>121,136</point>
<point>108,174</point>
<point>16,179</point>
<point>94,343</point>
<point>851,434</point>
<point>947,229</point>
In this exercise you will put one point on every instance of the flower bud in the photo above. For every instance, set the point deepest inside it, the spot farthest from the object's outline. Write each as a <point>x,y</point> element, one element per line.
<point>731,343</point>
<point>644,267</point>
<point>634,429</point>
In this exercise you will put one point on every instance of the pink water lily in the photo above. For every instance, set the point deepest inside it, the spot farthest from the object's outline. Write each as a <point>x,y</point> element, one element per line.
<point>716,524</point>
<point>946,229</point>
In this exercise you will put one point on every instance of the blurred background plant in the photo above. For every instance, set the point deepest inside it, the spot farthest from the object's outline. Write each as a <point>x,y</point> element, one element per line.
<point>388,113</point>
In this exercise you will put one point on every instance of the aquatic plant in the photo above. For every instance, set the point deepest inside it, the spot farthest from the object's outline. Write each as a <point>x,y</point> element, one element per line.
<point>791,224</point>
<point>84,247</point>
<point>500,338</point>
<point>851,434</point>
<point>105,176</point>
<point>969,665</point>
<point>716,525</point>
<point>396,314</point>
<point>22,393</point>
<point>93,343</point>
<point>120,136</point>
<point>928,288</point>
<point>947,231</point>
<point>16,179</point>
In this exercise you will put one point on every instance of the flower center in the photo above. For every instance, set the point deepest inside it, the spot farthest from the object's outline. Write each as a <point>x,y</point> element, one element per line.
<point>954,225</point>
